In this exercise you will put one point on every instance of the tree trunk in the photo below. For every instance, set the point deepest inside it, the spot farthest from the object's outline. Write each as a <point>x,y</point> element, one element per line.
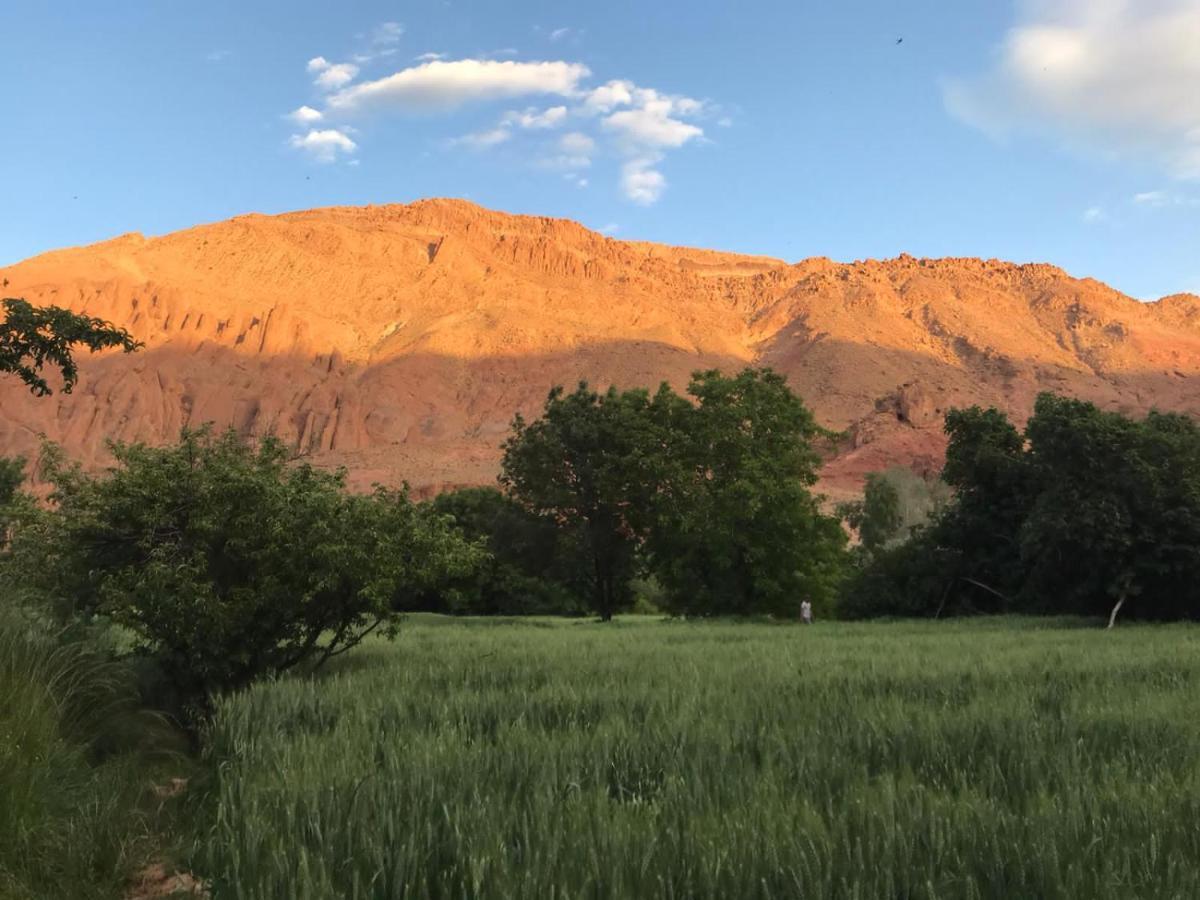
<point>1112,619</point>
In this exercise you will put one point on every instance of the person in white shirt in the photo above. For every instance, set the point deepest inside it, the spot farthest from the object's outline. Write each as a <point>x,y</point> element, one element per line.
<point>806,612</point>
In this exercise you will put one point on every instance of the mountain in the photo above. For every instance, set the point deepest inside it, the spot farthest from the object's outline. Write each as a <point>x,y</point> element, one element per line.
<point>398,341</point>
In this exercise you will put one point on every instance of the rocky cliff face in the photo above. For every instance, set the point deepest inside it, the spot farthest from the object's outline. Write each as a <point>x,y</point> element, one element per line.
<point>399,340</point>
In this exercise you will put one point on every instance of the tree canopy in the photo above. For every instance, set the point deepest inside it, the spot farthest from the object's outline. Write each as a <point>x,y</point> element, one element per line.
<point>227,562</point>
<point>710,495</point>
<point>32,337</point>
<point>1086,512</point>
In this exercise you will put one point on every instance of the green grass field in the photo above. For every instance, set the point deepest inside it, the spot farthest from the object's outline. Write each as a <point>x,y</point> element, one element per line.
<point>998,759</point>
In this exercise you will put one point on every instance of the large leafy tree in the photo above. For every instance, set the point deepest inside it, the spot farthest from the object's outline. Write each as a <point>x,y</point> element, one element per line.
<point>226,562</point>
<point>531,567</point>
<point>1117,516</point>
<point>1086,512</point>
<point>592,464</point>
<point>32,337</point>
<point>737,528</point>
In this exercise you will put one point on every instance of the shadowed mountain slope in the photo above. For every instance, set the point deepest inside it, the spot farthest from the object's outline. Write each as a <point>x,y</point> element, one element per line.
<point>399,340</point>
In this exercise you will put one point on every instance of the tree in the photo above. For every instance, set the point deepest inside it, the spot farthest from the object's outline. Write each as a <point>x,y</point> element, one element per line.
<point>896,502</point>
<point>31,337</point>
<point>591,465</point>
<point>737,529</point>
<point>531,568</point>
<point>1117,518</point>
<point>225,562</point>
<point>877,517</point>
<point>1087,512</point>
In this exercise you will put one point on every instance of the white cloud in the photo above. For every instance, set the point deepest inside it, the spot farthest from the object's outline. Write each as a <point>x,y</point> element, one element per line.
<point>1117,76</point>
<point>1153,198</point>
<point>610,228</point>
<point>641,182</point>
<point>305,115</point>
<point>324,145</point>
<point>387,33</point>
<point>430,57</point>
<point>481,140</point>
<point>576,143</point>
<point>1094,214</point>
<point>652,126</point>
<point>441,85</point>
<point>331,76</point>
<point>609,96</point>
<point>532,118</point>
<point>559,33</point>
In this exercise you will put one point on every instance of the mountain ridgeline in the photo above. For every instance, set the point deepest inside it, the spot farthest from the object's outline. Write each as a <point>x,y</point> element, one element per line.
<point>399,341</point>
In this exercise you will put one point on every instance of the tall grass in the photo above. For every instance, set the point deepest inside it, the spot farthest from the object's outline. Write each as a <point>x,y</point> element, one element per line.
<point>76,756</point>
<point>964,760</point>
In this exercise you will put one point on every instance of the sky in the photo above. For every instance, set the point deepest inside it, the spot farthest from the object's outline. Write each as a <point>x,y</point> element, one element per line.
<point>1062,131</point>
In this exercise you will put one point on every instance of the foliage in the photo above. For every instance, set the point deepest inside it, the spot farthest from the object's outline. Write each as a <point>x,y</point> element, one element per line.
<point>896,502</point>
<point>1086,512</point>
<point>591,465</point>
<point>77,755</point>
<point>226,563</point>
<point>1117,514</point>
<point>737,529</point>
<point>31,337</point>
<point>530,568</point>
<point>988,759</point>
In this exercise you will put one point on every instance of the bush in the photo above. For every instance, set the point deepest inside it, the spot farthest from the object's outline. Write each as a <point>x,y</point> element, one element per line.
<point>226,563</point>
<point>531,568</point>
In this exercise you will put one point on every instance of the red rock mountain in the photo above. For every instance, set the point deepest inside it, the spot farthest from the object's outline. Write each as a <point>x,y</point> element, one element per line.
<point>399,340</point>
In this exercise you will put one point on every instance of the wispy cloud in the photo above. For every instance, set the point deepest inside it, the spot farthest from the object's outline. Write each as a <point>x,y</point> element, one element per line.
<point>305,115</point>
<point>442,85</point>
<point>641,182</point>
<point>323,145</point>
<point>481,140</point>
<point>634,126</point>
<point>1114,76</point>
<point>1094,215</point>
<point>387,33</point>
<point>558,34</point>
<point>534,118</point>
<point>331,76</point>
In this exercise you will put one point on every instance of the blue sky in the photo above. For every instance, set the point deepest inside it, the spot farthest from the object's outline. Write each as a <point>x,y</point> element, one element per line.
<point>1065,131</point>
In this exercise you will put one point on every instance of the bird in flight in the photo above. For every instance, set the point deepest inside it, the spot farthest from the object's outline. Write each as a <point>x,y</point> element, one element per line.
<point>899,40</point>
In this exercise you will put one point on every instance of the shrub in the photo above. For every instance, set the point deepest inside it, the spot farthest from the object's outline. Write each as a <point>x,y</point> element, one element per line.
<point>226,563</point>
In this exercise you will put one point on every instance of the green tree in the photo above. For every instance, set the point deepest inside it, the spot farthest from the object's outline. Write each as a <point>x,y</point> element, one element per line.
<point>1117,518</point>
<point>227,563</point>
<point>530,568</point>
<point>737,528</point>
<point>896,502</point>
<point>1087,512</point>
<point>877,517</point>
<point>32,337</point>
<point>592,464</point>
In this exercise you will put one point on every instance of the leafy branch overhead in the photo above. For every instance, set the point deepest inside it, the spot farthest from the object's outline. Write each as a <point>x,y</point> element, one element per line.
<point>32,337</point>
